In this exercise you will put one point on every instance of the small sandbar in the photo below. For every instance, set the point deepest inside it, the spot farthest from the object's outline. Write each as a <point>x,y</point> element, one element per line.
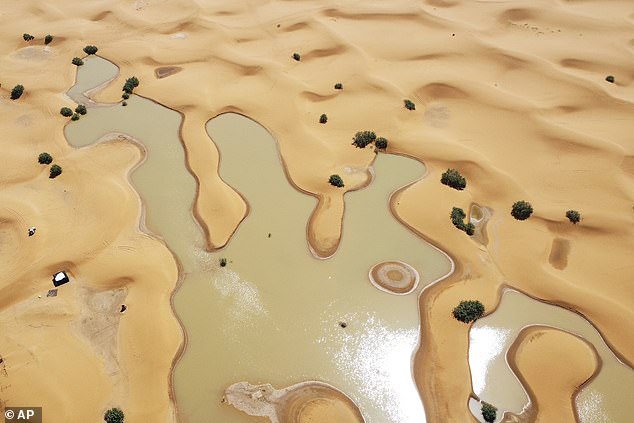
<point>306,402</point>
<point>165,71</point>
<point>394,277</point>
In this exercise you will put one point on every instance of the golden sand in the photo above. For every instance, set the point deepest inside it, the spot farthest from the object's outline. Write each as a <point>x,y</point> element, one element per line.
<point>513,94</point>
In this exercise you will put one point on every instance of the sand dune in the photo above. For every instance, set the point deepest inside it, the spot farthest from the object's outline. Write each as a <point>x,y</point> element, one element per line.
<point>513,94</point>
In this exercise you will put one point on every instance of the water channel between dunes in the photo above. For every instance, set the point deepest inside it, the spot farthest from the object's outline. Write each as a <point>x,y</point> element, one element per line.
<point>274,313</point>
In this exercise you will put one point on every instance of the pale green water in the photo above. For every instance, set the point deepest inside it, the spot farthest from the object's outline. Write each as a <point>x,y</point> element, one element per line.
<point>606,399</point>
<point>272,315</point>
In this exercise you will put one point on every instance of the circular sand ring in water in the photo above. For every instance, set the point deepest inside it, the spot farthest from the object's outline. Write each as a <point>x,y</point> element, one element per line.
<point>394,277</point>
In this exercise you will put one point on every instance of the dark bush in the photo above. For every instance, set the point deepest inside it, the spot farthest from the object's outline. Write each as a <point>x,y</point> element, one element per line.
<point>125,103</point>
<point>409,105</point>
<point>335,180</point>
<point>223,262</point>
<point>90,49</point>
<point>77,61</point>
<point>457,218</point>
<point>489,412</point>
<point>81,109</point>
<point>75,116</point>
<point>363,138</point>
<point>610,79</point>
<point>468,311</point>
<point>381,143</point>
<point>65,111</point>
<point>114,415</point>
<point>48,39</point>
<point>454,179</point>
<point>125,96</point>
<point>130,84</point>
<point>521,210</point>
<point>28,37</point>
<point>55,171</point>
<point>323,118</point>
<point>45,158</point>
<point>338,86</point>
<point>574,216</point>
<point>296,56</point>
<point>17,92</point>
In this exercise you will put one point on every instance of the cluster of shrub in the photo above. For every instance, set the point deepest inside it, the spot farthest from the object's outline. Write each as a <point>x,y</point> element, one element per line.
<point>457,218</point>
<point>28,38</point>
<point>68,112</point>
<point>364,138</point>
<point>17,92</point>
<point>336,181</point>
<point>129,86</point>
<point>114,415</point>
<point>46,159</point>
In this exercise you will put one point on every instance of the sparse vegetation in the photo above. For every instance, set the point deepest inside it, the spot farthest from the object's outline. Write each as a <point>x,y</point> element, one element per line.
<point>338,86</point>
<point>90,49</point>
<point>489,412</point>
<point>81,109</point>
<point>454,179</point>
<point>17,92</point>
<point>77,61</point>
<point>323,118</point>
<point>129,86</point>
<point>335,180</point>
<point>66,112</point>
<point>74,117</point>
<point>610,79</point>
<point>55,171</point>
<point>297,57</point>
<point>223,262</point>
<point>457,218</point>
<point>574,216</point>
<point>521,210</point>
<point>45,158</point>
<point>114,415</point>
<point>381,143</point>
<point>363,138</point>
<point>468,311</point>
<point>48,39</point>
<point>409,105</point>
<point>28,37</point>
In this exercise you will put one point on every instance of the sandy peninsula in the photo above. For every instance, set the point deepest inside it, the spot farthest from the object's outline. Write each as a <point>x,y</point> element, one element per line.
<point>512,94</point>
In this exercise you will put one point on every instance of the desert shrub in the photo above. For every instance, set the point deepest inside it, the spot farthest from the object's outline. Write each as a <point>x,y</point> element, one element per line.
<point>77,61</point>
<point>453,178</point>
<point>323,118</point>
<point>335,180</point>
<point>81,109</point>
<point>574,216</point>
<point>125,96</point>
<point>114,415</point>
<point>48,39</point>
<point>125,103</point>
<point>468,311</point>
<point>521,210</point>
<point>223,262</point>
<point>45,158</point>
<point>409,105</point>
<point>90,49</point>
<point>55,171</point>
<point>130,84</point>
<point>363,138</point>
<point>457,218</point>
<point>27,37</point>
<point>338,86</point>
<point>66,111</point>
<point>489,412</point>
<point>17,92</point>
<point>75,116</point>
<point>381,143</point>
<point>610,79</point>
<point>297,57</point>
